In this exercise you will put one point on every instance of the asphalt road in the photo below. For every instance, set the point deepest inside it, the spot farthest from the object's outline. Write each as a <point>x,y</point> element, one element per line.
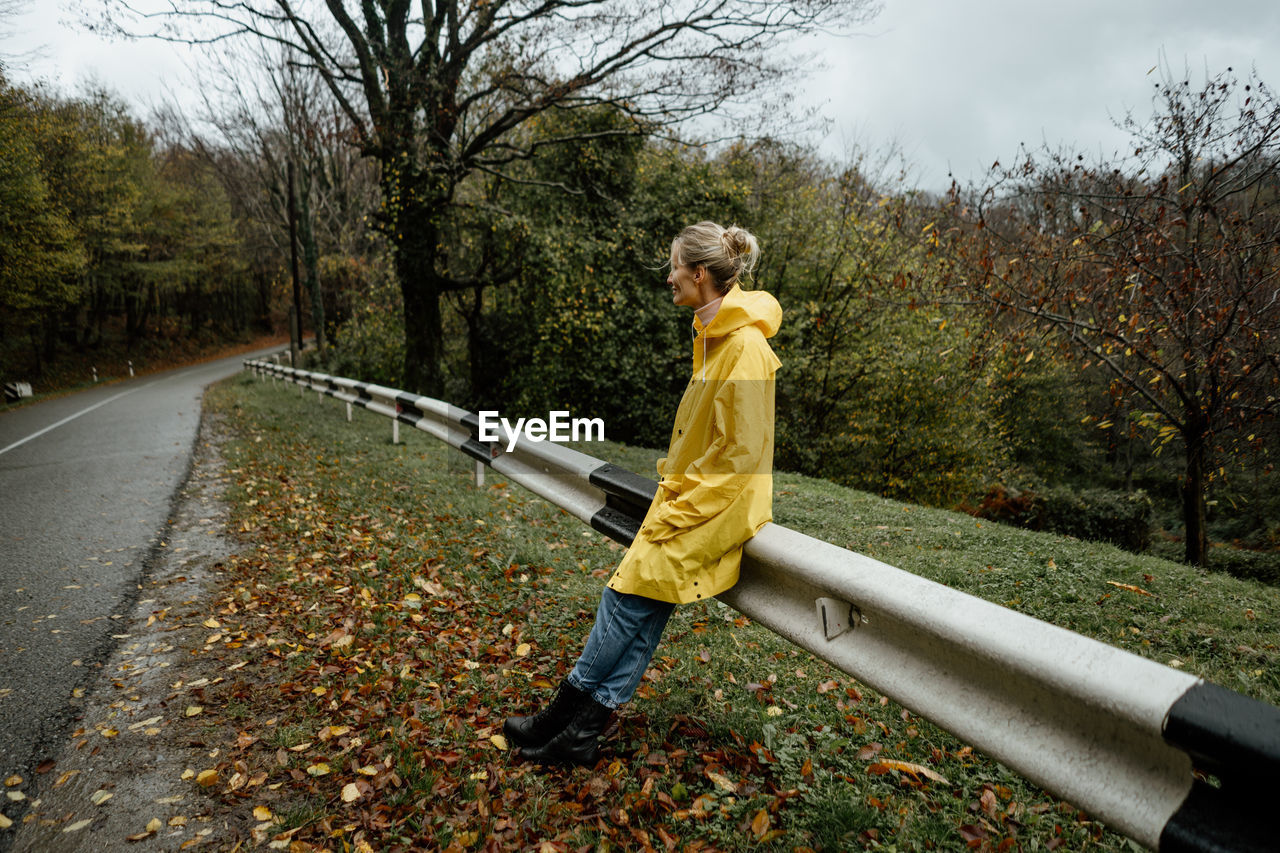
<point>86,485</point>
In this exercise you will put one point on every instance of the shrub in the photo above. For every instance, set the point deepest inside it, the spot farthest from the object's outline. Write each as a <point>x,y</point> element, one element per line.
<point>1096,515</point>
<point>1263,566</point>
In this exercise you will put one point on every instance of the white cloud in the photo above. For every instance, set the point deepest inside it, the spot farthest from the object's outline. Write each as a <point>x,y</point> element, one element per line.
<point>962,84</point>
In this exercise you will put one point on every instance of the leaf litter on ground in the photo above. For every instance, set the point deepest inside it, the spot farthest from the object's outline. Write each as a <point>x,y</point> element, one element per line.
<point>389,614</point>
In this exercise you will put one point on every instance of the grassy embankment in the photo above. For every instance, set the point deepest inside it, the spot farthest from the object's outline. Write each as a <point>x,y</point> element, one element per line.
<point>393,614</point>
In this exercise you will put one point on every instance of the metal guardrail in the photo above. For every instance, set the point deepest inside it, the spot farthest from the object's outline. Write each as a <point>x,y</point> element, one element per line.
<point>1111,732</point>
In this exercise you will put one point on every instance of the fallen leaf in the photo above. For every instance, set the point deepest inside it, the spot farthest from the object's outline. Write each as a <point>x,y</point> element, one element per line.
<point>887,764</point>
<point>722,781</point>
<point>193,710</point>
<point>212,623</point>
<point>154,825</point>
<point>869,751</point>
<point>78,825</point>
<point>319,769</point>
<point>1129,587</point>
<point>177,820</point>
<point>499,741</point>
<point>13,781</point>
<point>350,793</point>
<point>5,823</point>
<point>188,774</point>
<point>760,823</point>
<point>99,797</point>
<point>206,778</point>
<point>262,813</point>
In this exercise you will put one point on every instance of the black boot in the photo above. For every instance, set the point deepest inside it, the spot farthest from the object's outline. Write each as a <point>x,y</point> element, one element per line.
<point>541,727</point>
<point>579,742</point>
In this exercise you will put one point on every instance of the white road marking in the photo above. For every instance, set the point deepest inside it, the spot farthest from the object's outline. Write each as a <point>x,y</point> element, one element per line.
<point>71,418</point>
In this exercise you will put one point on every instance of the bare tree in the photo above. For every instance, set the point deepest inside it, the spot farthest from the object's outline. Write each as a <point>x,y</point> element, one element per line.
<point>1165,273</point>
<point>437,91</point>
<point>262,112</point>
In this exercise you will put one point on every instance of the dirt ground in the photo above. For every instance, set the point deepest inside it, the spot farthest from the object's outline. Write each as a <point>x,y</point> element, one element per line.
<point>129,778</point>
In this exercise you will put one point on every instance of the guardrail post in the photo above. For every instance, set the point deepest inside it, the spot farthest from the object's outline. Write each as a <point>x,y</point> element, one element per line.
<point>479,473</point>
<point>348,413</point>
<point>395,431</point>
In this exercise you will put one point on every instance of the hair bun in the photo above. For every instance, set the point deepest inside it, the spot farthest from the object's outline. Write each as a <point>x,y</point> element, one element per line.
<point>743,248</point>
<point>729,254</point>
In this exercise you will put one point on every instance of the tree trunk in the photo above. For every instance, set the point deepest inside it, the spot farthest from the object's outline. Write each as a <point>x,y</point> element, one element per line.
<point>420,286</point>
<point>480,374</point>
<point>311,259</point>
<point>263,282</point>
<point>423,332</point>
<point>1193,489</point>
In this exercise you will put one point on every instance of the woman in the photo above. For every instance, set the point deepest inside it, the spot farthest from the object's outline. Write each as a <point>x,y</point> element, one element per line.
<point>715,492</point>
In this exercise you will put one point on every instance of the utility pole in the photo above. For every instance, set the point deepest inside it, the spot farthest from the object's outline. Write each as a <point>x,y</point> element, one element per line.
<point>295,310</point>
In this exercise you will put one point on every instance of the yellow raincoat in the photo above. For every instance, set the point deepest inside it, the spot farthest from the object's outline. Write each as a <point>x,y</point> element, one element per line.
<point>716,489</point>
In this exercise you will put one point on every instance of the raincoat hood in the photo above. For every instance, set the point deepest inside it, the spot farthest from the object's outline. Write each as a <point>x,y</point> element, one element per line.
<point>741,308</point>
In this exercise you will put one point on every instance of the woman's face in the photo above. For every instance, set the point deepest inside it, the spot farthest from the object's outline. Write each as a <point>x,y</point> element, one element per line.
<point>686,282</point>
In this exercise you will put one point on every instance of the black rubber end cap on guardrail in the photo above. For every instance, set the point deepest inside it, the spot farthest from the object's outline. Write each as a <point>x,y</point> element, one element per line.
<point>1222,820</point>
<point>477,450</point>
<point>627,486</point>
<point>1227,734</point>
<point>1236,739</point>
<point>618,526</point>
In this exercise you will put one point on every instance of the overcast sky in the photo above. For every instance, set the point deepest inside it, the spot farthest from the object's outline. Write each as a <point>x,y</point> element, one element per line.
<point>955,84</point>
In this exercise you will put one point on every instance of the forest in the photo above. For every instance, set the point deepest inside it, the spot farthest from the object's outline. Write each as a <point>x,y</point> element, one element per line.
<point>1074,343</point>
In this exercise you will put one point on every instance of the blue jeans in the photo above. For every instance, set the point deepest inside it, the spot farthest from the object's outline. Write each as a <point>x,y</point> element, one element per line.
<point>620,646</point>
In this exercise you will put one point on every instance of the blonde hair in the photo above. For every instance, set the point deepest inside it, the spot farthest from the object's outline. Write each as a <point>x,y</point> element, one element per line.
<point>728,254</point>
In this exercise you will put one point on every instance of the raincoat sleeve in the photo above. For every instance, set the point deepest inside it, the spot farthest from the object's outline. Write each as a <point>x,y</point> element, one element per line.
<point>742,448</point>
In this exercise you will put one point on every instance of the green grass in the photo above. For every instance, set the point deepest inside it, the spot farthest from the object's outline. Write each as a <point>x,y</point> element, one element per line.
<point>737,740</point>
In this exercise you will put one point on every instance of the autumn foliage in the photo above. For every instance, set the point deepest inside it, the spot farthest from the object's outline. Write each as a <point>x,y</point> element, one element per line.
<point>1160,270</point>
